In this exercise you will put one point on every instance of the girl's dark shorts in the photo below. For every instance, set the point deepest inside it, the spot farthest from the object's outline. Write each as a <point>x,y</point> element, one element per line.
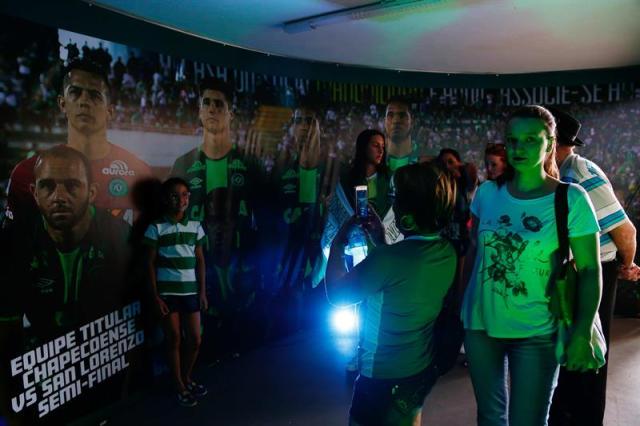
<point>182,304</point>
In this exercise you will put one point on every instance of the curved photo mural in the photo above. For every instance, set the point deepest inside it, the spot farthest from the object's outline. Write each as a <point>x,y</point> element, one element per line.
<point>92,255</point>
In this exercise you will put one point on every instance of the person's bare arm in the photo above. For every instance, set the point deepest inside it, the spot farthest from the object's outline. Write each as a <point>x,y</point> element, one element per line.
<point>624,237</point>
<point>586,252</point>
<point>152,254</point>
<point>200,274</point>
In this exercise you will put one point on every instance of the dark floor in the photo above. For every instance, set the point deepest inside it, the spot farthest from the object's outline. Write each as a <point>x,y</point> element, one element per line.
<point>301,381</point>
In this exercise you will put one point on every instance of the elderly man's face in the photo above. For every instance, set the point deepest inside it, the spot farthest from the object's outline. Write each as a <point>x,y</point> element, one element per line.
<point>62,192</point>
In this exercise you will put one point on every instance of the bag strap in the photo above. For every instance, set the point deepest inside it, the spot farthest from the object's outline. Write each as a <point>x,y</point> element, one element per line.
<point>562,228</point>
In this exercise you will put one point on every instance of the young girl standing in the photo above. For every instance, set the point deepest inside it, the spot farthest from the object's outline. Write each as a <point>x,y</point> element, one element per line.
<point>177,275</point>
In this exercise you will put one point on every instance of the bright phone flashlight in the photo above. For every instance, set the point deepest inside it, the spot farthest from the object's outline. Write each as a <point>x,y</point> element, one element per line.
<point>345,320</point>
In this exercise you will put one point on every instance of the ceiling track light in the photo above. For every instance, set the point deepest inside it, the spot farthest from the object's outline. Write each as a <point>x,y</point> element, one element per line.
<point>369,10</point>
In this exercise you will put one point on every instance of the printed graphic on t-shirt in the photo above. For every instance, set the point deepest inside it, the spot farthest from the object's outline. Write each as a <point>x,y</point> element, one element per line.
<point>503,269</point>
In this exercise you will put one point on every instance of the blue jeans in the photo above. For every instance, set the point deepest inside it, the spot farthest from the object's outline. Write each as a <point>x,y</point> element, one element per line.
<point>532,367</point>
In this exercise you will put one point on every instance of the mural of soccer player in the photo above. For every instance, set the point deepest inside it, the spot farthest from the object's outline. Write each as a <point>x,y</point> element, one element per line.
<point>401,149</point>
<point>70,264</point>
<point>292,244</point>
<point>86,103</point>
<point>226,192</point>
<point>66,266</point>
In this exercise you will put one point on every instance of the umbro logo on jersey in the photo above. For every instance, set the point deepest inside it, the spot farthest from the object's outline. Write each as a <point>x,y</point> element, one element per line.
<point>196,167</point>
<point>289,188</point>
<point>290,174</point>
<point>195,183</point>
<point>118,168</point>
<point>237,165</point>
<point>44,283</point>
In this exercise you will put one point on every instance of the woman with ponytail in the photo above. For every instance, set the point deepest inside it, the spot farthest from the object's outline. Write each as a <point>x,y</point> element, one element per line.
<point>509,327</point>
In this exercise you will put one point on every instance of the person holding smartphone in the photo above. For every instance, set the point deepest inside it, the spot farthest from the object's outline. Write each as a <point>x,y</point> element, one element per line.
<point>369,173</point>
<point>402,288</point>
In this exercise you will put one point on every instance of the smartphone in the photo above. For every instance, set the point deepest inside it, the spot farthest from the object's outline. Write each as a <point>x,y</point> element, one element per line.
<point>362,201</point>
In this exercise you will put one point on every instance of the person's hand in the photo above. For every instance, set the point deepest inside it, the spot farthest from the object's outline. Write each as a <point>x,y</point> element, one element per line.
<point>253,146</point>
<point>373,227</point>
<point>629,273</point>
<point>342,236</point>
<point>204,303</point>
<point>162,306</point>
<point>580,354</point>
<point>310,149</point>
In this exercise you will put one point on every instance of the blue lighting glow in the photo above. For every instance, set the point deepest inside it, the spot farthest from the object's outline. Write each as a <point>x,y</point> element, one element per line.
<point>345,320</point>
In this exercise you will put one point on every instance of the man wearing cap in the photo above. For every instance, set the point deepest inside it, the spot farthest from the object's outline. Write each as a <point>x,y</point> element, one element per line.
<point>580,398</point>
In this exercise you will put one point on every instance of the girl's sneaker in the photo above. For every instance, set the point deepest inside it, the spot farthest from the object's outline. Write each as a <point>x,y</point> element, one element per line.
<point>186,399</point>
<point>196,389</point>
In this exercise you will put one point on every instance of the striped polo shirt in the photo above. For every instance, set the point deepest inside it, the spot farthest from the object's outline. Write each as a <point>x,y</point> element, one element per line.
<point>176,244</point>
<point>609,211</point>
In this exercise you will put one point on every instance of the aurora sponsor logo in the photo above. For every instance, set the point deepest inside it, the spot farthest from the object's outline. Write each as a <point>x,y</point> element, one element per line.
<point>118,168</point>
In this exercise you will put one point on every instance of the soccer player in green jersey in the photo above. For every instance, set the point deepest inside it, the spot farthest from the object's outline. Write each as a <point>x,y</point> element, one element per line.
<point>227,191</point>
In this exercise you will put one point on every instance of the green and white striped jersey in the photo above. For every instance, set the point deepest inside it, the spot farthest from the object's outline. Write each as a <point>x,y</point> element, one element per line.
<point>176,243</point>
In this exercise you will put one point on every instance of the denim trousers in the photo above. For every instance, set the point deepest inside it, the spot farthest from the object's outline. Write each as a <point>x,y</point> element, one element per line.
<point>513,379</point>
